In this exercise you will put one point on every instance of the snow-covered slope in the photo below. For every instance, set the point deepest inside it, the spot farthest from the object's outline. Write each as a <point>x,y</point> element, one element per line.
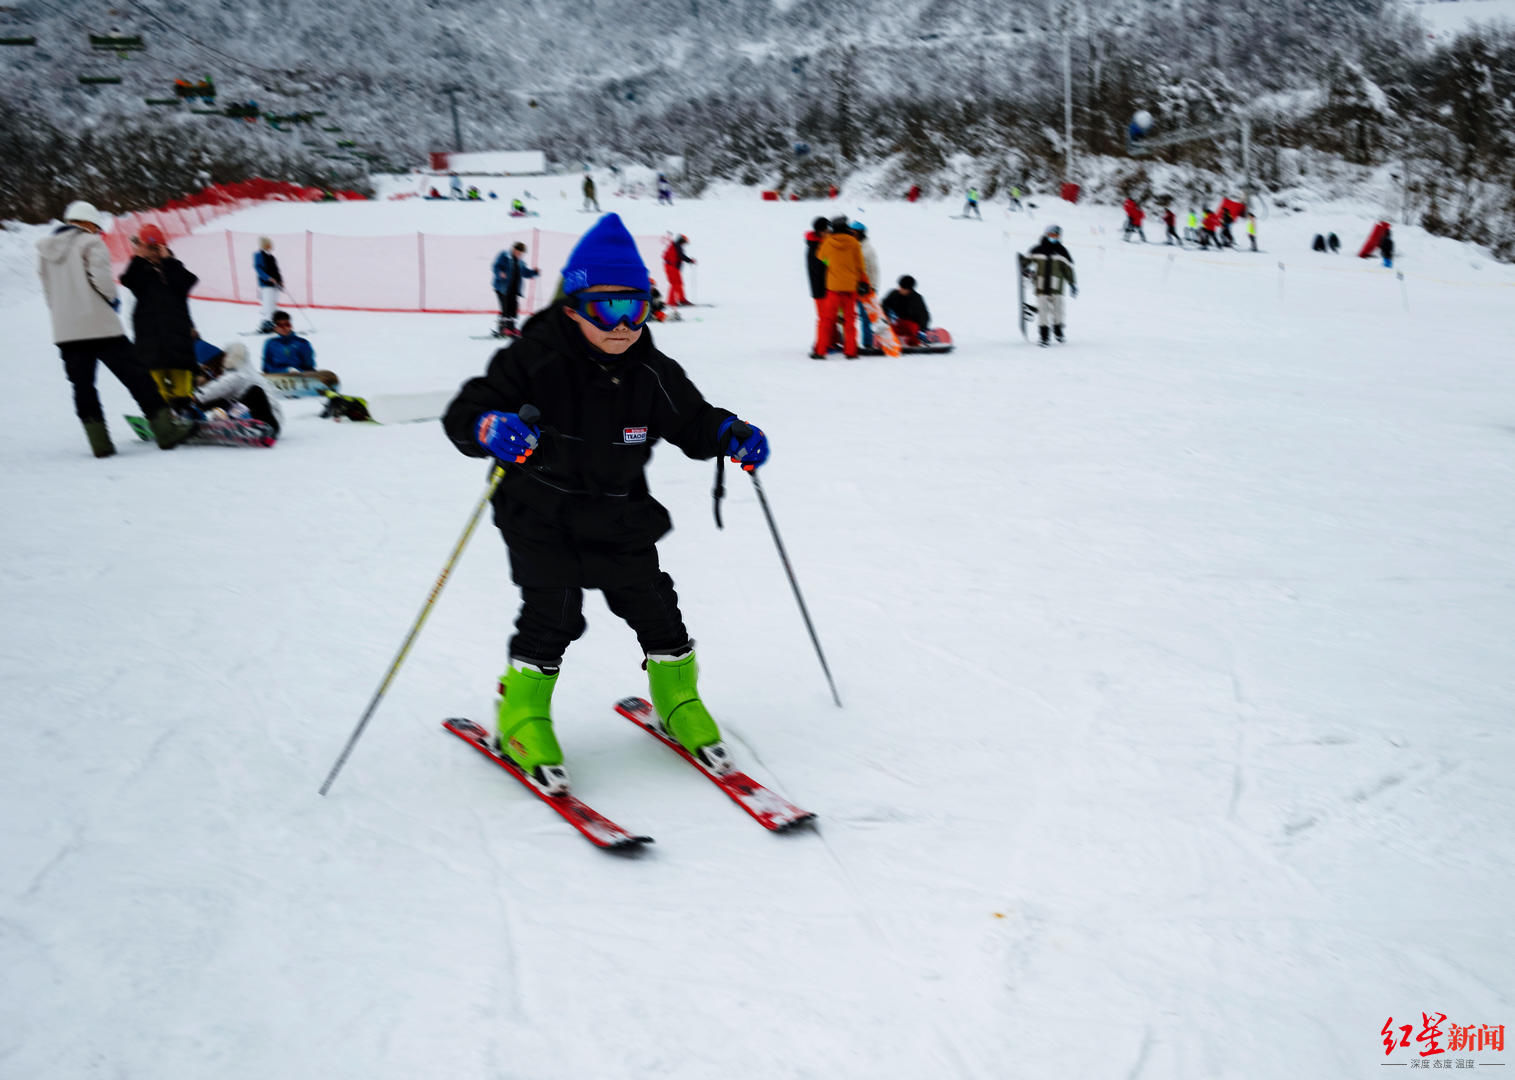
<point>1175,660</point>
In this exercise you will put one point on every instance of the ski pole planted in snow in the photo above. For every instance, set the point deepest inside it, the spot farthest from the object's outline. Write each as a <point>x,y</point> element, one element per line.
<point>531,415</point>
<point>291,301</point>
<point>743,431</point>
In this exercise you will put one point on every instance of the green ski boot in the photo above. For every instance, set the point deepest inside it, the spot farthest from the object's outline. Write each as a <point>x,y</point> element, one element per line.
<point>676,698</point>
<point>525,719</point>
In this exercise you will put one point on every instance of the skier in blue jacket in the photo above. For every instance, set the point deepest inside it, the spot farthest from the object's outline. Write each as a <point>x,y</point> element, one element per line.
<point>510,274</point>
<point>270,281</point>
<point>290,354</point>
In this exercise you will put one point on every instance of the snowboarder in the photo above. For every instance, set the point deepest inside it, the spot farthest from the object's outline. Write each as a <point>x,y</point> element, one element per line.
<point>288,352</point>
<point>510,274</point>
<point>971,206</point>
<point>1051,269</point>
<point>574,507</point>
<point>161,323</point>
<point>591,201</point>
<point>228,383</point>
<point>517,208</point>
<point>846,276</point>
<point>1386,248</point>
<point>674,258</point>
<point>1170,223</point>
<point>81,298</point>
<point>907,312</point>
<point>270,282</point>
<point>665,193</point>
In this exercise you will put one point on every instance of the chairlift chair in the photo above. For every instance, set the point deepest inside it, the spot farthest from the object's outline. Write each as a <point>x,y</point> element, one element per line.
<point>18,41</point>
<point>99,80</point>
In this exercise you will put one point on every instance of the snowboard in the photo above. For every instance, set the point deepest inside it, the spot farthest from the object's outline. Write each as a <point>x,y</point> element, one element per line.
<point>883,334</point>
<point>223,431</point>
<point>935,340</point>
<point>296,384</point>
<point>387,408</point>
<point>1023,266</point>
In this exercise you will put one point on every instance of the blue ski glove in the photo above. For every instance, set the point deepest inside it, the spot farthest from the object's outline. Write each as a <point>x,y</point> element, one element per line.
<point>750,452</point>
<point>506,436</point>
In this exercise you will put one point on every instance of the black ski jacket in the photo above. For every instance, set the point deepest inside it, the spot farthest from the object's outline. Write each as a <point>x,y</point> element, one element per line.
<point>161,324</point>
<point>814,267</point>
<point>910,306</point>
<point>578,512</point>
<point>1053,250</point>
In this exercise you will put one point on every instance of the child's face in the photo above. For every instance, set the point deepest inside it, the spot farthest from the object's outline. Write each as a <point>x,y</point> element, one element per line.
<point>611,342</point>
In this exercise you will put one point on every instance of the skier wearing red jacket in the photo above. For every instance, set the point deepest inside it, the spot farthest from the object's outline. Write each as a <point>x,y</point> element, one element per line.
<point>673,262</point>
<point>1134,218</point>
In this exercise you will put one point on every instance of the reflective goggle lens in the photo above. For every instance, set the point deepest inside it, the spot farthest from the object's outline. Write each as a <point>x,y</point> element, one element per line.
<point>609,310</point>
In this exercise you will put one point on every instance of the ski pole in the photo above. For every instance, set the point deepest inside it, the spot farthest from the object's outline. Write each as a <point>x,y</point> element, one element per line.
<point>531,415</point>
<point>312,326</point>
<point>742,430</point>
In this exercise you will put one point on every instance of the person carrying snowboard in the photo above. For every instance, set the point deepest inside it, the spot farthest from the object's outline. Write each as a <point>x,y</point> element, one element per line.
<point>574,507</point>
<point>674,258</point>
<point>510,274</point>
<point>1051,270</point>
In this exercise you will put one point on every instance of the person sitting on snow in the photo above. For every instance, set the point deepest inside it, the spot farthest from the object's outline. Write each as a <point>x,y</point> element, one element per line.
<point>290,354</point>
<point>227,382</point>
<point>517,208</point>
<point>907,312</point>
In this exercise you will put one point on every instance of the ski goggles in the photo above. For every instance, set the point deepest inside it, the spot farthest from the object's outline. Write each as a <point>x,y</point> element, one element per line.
<point>609,310</point>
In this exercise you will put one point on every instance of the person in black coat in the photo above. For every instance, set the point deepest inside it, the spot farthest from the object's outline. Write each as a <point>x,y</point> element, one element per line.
<point>574,506</point>
<point>161,324</point>
<point>813,266</point>
<point>907,311</point>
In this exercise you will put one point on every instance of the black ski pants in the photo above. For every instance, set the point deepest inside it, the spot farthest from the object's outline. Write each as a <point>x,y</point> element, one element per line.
<point>552,618</point>
<point>508,304</point>
<point>80,359</point>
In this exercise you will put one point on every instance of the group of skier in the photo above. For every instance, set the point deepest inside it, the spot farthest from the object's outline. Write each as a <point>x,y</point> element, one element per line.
<point>842,268</point>
<point>1211,228</point>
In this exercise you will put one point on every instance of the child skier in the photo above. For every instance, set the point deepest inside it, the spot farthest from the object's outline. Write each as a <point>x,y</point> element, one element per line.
<point>574,508</point>
<point>971,206</point>
<point>1134,218</point>
<point>1051,268</point>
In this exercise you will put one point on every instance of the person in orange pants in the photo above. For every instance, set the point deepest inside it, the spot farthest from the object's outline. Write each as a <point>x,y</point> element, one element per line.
<point>846,276</point>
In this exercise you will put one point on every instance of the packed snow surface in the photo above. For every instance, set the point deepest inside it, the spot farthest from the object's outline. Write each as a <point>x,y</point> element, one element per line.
<point>1176,665</point>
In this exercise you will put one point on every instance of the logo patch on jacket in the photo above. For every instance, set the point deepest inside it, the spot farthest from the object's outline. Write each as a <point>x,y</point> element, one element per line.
<point>633,434</point>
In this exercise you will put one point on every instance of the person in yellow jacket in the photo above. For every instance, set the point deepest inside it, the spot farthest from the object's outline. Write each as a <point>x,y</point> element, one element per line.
<point>846,278</point>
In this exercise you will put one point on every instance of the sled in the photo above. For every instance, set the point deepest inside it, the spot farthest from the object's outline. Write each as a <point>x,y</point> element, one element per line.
<point>884,340</point>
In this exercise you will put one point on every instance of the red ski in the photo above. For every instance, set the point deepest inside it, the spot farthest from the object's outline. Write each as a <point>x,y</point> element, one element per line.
<point>598,829</point>
<point>771,809</point>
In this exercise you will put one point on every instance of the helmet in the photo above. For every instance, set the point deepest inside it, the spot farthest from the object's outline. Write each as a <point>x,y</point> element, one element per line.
<point>79,210</point>
<point>858,227</point>
<point>151,234</point>
<point>1053,230</point>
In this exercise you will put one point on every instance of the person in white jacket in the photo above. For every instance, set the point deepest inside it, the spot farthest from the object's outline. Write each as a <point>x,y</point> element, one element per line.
<point>81,296</point>
<point>870,266</point>
<point>236,388</point>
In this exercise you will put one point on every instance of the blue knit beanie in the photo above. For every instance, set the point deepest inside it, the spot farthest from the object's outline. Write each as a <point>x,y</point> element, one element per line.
<point>605,255</point>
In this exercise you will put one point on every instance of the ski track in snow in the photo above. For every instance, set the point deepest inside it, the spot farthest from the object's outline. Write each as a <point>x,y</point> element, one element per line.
<point>1175,663</point>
